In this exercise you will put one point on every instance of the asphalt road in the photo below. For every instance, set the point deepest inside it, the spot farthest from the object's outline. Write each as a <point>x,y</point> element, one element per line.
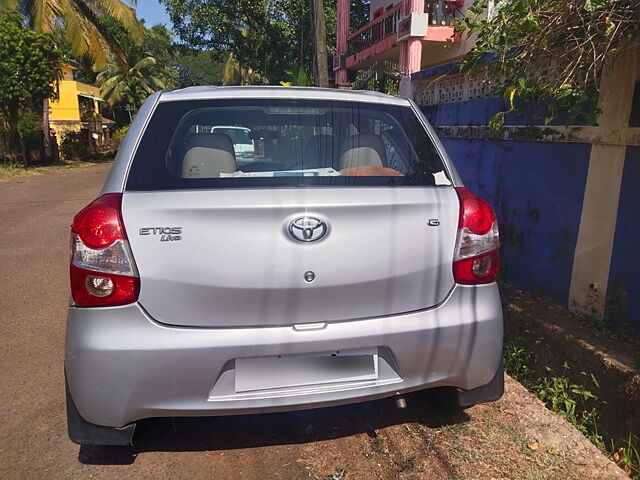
<point>372,440</point>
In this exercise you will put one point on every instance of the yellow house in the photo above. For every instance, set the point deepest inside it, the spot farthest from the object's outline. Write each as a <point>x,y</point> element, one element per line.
<point>76,107</point>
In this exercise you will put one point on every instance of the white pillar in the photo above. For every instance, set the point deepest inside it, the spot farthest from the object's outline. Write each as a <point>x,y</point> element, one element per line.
<point>592,257</point>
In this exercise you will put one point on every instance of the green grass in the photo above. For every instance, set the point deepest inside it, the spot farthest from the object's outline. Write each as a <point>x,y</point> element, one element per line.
<point>573,400</point>
<point>16,170</point>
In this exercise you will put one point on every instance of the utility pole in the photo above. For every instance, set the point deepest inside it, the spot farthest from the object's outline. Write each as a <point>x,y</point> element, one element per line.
<point>321,68</point>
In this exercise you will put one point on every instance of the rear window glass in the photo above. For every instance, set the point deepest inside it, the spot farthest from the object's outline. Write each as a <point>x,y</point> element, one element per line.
<point>280,143</point>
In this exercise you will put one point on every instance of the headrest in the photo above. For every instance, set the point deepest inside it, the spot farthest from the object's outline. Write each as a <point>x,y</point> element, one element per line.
<point>208,155</point>
<point>364,150</point>
<point>219,141</point>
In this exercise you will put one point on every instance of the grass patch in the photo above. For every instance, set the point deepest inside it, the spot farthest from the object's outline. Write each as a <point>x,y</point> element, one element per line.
<point>18,169</point>
<point>575,401</point>
<point>378,446</point>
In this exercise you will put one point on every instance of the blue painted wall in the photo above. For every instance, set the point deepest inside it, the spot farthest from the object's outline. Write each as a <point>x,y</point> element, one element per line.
<point>537,190</point>
<point>470,112</point>
<point>623,291</point>
<point>480,110</point>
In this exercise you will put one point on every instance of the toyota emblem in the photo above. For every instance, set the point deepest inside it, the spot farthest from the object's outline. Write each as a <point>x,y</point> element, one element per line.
<point>307,229</point>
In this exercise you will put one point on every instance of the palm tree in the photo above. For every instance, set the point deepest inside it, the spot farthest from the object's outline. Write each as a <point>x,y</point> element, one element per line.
<point>83,31</point>
<point>82,26</point>
<point>130,85</point>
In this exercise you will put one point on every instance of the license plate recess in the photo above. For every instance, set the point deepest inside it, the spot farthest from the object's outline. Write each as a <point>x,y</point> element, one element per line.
<point>266,373</point>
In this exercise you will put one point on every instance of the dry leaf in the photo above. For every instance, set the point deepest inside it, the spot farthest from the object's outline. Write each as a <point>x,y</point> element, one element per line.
<point>533,445</point>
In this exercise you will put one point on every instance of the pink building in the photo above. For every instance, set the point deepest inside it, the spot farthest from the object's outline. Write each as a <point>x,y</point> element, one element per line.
<point>413,34</point>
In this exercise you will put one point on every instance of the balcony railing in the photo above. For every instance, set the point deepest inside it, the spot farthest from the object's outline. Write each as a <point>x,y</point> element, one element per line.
<point>441,14</point>
<point>373,32</point>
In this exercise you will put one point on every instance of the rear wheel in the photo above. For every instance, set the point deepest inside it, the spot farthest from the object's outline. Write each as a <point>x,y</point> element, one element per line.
<point>85,433</point>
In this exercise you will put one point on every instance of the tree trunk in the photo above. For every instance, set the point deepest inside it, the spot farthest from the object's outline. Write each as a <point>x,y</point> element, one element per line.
<point>15,145</point>
<point>46,131</point>
<point>25,154</point>
<point>321,69</point>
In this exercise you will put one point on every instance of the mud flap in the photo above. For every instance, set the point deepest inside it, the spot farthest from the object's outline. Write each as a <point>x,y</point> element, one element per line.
<point>490,392</point>
<point>85,433</point>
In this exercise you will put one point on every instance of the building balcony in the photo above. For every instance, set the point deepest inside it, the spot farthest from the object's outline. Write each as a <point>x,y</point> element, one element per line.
<point>378,39</point>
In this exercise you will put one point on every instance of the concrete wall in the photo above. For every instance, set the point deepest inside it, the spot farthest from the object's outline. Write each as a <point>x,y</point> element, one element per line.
<point>623,292</point>
<point>536,189</point>
<point>568,200</point>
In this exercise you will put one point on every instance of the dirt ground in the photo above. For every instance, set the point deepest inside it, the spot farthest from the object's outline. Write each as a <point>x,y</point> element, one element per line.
<point>514,438</point>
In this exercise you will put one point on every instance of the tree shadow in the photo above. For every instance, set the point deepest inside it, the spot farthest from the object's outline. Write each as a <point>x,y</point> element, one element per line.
<point>249,431</point>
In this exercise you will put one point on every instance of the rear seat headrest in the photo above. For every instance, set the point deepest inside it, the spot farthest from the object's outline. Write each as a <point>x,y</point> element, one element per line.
<point>210,140</point>
<point>208,155</point>
<point>364,150</point>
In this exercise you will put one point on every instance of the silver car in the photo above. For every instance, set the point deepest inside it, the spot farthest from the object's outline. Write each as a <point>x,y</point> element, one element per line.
<point>345,262</point>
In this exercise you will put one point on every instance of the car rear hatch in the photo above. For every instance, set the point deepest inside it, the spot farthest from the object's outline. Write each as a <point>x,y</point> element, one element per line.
<point>226,259</point>
<point>213,239</point>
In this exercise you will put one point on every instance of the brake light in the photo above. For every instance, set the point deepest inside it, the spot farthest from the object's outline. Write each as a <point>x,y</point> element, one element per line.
<point>476,259</point>
<point>102,269</point>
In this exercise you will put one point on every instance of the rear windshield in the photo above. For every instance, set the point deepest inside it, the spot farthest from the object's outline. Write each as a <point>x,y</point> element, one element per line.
<point>280,143</point>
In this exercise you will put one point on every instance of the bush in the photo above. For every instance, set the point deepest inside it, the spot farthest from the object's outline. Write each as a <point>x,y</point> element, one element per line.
<point>75,145</point>
<point>30,129</point>
<point>121,132</point>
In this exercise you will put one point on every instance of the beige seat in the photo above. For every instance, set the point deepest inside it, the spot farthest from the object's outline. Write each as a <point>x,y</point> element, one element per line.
<point>208,155</point>
<point>364,150</point>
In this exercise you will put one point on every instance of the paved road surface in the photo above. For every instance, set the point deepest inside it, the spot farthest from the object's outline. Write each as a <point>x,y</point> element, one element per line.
<point>373,440</point>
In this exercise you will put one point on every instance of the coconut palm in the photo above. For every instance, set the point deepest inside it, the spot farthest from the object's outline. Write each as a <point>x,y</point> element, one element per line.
<point>83,31</point>
<point>130,85</point>
<point>82,27</point>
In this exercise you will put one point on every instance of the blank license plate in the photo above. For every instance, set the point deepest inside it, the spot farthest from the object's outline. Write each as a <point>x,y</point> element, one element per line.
<point>265,373</point>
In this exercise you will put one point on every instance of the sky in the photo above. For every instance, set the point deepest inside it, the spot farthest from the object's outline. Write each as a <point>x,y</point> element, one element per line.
<point>153,13</point>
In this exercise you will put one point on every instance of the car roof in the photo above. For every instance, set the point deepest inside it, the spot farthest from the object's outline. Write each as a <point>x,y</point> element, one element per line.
<point>310,93</point>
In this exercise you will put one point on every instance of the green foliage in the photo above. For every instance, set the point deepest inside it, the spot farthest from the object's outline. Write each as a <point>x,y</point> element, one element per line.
<point>262,35</point>
<point>549,52</point>
<point>29,66</point>
<point>144,69</point>
<point>627,457</point>
<point>75,145</point>
<point>268,37</point>
<point>359,14</point>
<point>30,127</point>
<point>297,78</point>
<point>158,44</point>
<point>231,71</point>
<point>573,400</point>
<point>121,132</point>
<point>129,86</point>
<point>519,361</point>
<point>81,25</point>
<point>235,74</point>
<point>391,86</point>
<point>197,67</point>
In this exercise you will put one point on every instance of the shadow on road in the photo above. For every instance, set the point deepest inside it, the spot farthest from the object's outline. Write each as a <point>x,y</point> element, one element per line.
<point>247,431</point>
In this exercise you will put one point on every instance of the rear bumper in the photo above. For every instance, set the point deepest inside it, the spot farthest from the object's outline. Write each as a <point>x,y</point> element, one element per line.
<point>123,366</point>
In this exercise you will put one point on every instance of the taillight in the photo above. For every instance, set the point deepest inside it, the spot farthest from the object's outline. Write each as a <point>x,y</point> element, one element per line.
<point>476,258</point>
<point>102,268</point>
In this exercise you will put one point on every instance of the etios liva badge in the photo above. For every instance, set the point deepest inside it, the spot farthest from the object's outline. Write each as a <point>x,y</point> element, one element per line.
<point>167,234</point>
